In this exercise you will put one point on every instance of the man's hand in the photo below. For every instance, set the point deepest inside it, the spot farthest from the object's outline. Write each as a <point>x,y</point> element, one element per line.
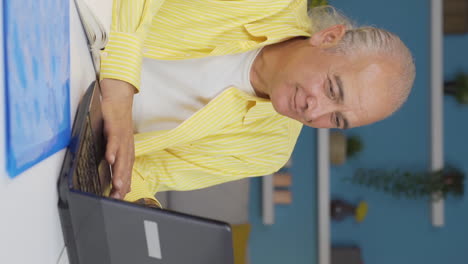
<point>117,102</point>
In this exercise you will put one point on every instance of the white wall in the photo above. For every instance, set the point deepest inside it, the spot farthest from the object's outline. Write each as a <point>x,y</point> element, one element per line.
<point>30,229</point>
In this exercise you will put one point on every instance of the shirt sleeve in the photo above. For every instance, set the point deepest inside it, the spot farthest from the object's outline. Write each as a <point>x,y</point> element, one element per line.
<point>122,56</point>
<point>215,159</point>
<point>181,169</point>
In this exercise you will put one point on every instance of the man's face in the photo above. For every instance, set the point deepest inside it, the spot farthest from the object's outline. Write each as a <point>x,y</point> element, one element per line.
<point>327,90</point>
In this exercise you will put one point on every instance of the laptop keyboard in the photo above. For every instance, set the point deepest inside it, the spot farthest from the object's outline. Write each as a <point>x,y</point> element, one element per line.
<point>87,167</point>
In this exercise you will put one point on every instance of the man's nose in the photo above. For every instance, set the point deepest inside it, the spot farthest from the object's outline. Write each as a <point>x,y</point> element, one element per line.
<point>316,107</point>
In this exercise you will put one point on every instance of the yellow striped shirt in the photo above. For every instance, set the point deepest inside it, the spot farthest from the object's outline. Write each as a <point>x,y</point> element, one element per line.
<point>185,29</point>
<point>235,135</point>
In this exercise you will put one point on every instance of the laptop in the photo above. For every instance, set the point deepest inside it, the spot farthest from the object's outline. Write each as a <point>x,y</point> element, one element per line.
<point>99,229</point>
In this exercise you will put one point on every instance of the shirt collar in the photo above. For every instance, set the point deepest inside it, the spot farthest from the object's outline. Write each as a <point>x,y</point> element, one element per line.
<point>257,108</point>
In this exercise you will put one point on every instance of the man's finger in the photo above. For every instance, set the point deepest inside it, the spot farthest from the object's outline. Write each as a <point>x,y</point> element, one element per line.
<point>121,175</point>
<point>114,194</point>
<point>127,156</point>
<point>111,149</point>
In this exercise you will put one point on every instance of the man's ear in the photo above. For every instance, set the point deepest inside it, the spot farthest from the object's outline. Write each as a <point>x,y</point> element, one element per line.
<point>328,37</point>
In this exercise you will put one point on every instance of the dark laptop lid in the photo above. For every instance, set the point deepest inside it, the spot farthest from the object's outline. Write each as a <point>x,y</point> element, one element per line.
<point>98,229</point>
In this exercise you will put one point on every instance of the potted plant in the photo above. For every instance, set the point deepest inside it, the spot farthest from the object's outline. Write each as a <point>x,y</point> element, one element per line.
<point>342,147</point>
<point>412,185</point>
<point>341,209</point>
<point>314,3</point>
<point>458,88</point>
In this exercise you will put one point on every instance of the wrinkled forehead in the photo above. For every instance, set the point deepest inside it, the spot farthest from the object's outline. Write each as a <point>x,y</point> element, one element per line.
<point>373,98</point>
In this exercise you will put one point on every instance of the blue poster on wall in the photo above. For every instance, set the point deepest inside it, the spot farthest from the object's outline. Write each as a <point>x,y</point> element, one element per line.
<point>37,77</point>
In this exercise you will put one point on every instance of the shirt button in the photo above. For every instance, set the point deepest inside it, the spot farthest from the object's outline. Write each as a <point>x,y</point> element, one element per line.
<point>104,54</point>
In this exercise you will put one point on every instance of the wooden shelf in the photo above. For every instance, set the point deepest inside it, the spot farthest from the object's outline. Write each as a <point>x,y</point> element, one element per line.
<point>268,206</point>
<point>436,105</point>
<point>323,196</point>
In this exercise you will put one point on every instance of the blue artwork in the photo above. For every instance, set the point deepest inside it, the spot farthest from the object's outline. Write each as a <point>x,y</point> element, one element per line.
<point>37,77</point>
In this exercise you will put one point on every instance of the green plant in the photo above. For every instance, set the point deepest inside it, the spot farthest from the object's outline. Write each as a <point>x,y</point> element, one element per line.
<point>411,185</point>
<point>314,3</point>
<point>353,146</point>
<point>458,88</point>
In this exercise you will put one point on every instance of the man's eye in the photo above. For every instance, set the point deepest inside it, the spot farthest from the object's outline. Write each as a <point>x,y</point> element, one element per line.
<point>337,121</point>
<point>330,90</point>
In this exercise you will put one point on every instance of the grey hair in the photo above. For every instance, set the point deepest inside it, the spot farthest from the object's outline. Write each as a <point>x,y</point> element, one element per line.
<point>322,17</point>
<point>371,41</point>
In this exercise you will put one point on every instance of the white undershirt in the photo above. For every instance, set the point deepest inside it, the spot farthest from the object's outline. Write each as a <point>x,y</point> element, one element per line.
<point>171,91</point>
